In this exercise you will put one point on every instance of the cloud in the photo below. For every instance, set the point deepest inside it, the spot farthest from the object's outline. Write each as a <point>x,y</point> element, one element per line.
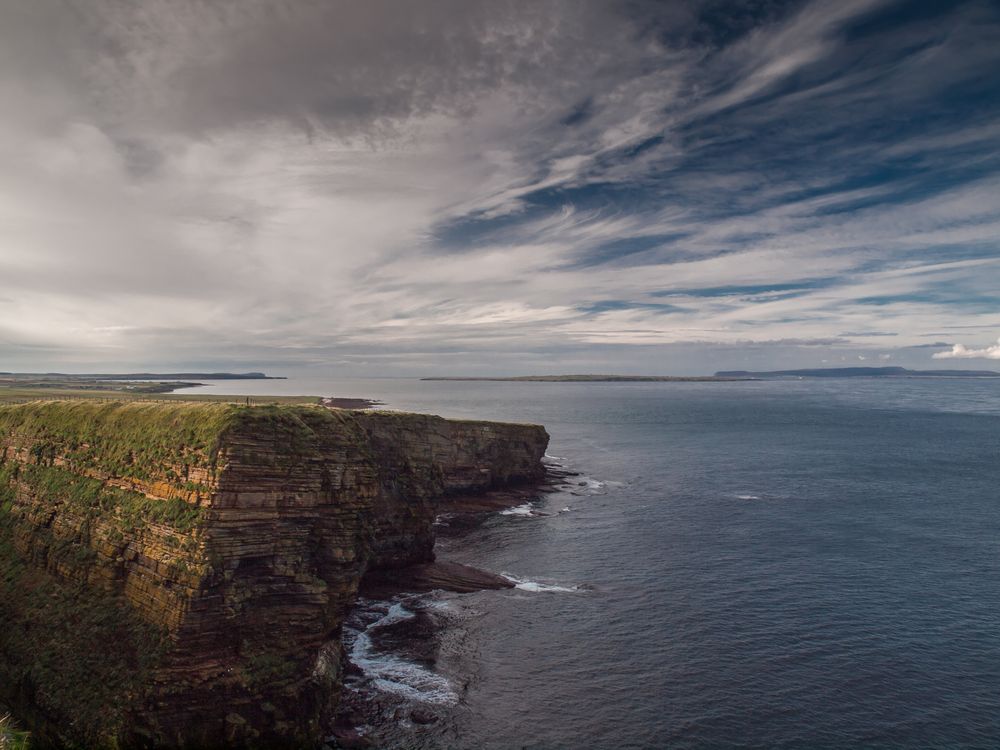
<point>327,182</point>
<point>960,351</point>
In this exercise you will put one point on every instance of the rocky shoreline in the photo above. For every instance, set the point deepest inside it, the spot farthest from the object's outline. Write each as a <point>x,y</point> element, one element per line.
<point>398,617</point>
<point>350,403</point>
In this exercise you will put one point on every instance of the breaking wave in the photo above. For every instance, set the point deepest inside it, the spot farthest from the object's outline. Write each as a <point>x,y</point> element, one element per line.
<point>536,587</point>
<point>392,674</point>
<point>520,510</point>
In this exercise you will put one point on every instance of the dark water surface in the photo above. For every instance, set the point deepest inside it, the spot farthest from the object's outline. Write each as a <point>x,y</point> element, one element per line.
<point>769,564</point>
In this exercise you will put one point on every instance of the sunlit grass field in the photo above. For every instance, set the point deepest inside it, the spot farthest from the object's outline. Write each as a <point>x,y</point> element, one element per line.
<point>16,394</point>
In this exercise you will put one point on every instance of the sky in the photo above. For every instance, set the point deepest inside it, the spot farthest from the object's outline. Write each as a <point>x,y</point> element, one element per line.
<point>498,187</point>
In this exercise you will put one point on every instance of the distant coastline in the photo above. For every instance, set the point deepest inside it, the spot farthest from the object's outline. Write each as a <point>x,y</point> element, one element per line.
<point>146,376</point>
<point>28,386</point>
<point>725,376</point>
<point>603,378</point>
<point>859,372</point>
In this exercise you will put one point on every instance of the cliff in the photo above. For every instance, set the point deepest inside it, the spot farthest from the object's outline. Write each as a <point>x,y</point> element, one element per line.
<point>177,574</point>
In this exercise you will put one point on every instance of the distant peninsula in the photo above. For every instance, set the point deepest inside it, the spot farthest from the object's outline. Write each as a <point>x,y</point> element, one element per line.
<point>606,378</point>
<point>146,376</point>
<point>859,372</point>
<point>26,386</point>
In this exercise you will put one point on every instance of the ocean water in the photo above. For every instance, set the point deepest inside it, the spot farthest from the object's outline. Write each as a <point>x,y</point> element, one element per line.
<point>794,564</point>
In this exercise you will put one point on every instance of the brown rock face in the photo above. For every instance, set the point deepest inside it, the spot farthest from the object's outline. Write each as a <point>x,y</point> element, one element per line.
<point>177,575</point>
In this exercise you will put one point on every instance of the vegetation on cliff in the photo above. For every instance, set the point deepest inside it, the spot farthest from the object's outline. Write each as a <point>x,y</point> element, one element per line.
<point>44,621</point>
<point>91,498</point>
<point>75,447</point>
<point>121,439</point>
<point>63,519</point>
<point>12,738</point>
<point>24,388</point>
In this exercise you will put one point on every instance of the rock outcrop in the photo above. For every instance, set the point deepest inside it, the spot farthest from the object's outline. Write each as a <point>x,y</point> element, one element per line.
<point>177,574</point>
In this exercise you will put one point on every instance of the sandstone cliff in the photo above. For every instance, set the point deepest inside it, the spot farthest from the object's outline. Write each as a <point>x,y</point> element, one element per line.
<point>177,574</point>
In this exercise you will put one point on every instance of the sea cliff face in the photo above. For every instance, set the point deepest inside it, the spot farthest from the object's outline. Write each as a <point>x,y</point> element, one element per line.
<point>177,574</point>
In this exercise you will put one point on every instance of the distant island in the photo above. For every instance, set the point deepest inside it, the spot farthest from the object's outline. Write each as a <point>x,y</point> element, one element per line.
<point>718,377</point>
<point>859,372</point>
<point>724,376</point>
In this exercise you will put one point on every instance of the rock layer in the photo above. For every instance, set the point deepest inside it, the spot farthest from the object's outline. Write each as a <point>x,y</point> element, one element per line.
<point>177,574</point>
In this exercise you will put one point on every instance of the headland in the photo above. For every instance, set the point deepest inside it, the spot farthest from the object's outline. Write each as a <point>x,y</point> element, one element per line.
<point>177,574</point>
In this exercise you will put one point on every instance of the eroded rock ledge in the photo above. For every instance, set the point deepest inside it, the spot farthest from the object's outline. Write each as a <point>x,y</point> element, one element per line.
<point>177,574</point>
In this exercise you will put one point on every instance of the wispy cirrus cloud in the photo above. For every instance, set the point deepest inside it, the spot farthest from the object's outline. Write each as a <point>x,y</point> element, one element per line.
<point>643,185</point>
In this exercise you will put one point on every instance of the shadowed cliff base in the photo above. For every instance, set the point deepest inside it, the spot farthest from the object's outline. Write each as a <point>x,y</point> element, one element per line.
<point>464,510</point>
<point>458,513</point>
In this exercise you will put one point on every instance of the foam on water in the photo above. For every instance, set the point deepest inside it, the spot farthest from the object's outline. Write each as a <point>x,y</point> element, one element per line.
<point>439,605</point>
<point>748,497</point>
<point>397,613</point>
<point>393,674</point>
<point>525,510</point>
<point>537,587</point>
<point>584,485</point>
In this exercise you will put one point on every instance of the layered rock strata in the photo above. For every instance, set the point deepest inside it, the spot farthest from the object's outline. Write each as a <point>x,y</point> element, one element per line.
<point>177,574</point>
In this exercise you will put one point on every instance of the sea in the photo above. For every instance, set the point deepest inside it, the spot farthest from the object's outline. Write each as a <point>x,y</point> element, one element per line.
<point>773,564</point>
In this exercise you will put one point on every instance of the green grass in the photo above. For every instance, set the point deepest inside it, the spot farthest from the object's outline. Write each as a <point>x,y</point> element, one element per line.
<point>21,394</point>
<point>72,443</point>
<point>129,439</point>
<point>12,738</point>
<point>91,498</point>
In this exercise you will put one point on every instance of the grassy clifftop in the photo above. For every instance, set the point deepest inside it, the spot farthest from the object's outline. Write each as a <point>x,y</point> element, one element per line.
<point>124,439</point>
<point>129,438</point>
